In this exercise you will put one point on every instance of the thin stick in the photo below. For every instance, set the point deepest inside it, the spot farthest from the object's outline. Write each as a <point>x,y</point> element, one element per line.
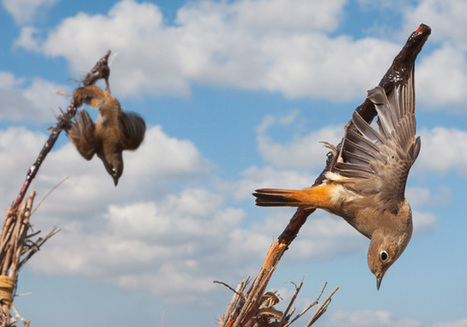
<point>322,308</point>
<point>289,306</point>
<point>48,193</point>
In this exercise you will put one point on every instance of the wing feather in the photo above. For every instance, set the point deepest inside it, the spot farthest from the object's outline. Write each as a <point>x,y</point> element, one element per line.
<point>380,157</point>
<point>134,128</point>
<point>82,135</point>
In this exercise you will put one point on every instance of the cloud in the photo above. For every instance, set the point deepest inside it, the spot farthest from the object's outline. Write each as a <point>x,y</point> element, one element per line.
<point>286,51</point>
<point>441,80</point>
<point>18,148</point>
<point>303,152</point>
<point>444,17</point>
<point>25,11</point>
<point>368,318</point>
<point>450,148</point>
<point>174,246</point>
<point>457,323</point>
<point>440,74</point>
<point>152,232</point>
<point>30,99</point>
<point>162,162</point>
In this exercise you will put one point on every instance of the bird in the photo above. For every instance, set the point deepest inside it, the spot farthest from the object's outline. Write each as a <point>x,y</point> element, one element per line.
<point>114,130</point>
<point>366,183</point>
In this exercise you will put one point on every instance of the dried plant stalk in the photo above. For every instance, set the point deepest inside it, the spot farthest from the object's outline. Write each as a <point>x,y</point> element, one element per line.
<point>16,246</point>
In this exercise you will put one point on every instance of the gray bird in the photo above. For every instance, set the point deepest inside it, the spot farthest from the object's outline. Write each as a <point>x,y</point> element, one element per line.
<point>366,184</point>
<point>114,131</point>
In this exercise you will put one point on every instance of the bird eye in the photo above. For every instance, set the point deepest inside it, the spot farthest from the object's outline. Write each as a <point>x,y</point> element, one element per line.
<point>384,256</point>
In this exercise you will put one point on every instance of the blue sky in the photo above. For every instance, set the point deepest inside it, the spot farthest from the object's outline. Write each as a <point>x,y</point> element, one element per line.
<point>236,96</point>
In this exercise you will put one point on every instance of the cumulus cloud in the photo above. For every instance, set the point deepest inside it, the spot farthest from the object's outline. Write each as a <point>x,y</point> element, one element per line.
<point>25,11</point>
<point>149,233</point>
<point>303,152</point>
<point>170,246</point>
<point>450,148</point>
<point>441,79</point>
<point>444,17</point>
<point>146,175</point>
<point>31,99</point>
<point>286,51</point>
<point>441,74</point>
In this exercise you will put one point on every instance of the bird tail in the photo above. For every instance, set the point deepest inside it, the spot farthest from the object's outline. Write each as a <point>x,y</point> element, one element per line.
<point>321,196</point>
<point>267,197</point>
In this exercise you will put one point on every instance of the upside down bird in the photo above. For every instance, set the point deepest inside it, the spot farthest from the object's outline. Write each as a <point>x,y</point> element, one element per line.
<point>366,183</point>
<point>114,131</point>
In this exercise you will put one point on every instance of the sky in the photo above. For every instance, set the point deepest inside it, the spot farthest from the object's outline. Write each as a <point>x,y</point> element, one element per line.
<point>237,96</point>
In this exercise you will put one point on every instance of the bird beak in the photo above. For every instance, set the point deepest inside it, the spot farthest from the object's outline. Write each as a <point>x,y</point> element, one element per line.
<point>115,180</point>
<point>379,279</point>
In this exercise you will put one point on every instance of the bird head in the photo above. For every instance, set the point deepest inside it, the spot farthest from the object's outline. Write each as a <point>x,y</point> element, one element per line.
<point>113,163</point>
<point>387,244</point>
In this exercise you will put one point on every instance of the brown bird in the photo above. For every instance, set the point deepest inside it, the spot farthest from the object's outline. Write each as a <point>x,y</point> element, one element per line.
<point>366,183</point>
<point>114,131</point>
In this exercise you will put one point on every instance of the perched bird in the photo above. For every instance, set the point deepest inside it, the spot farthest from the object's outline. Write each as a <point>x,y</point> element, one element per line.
<point>365,184</point>
<point>114,131</point>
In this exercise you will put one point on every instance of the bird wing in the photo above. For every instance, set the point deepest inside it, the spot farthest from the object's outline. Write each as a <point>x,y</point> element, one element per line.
<point>81,134</point>
<point>377,160</point>
<point>133,128</point>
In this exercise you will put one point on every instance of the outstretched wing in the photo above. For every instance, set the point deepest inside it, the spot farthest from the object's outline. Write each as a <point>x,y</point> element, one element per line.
<point>378,160</point>
<point>81,134</point>
<point>133,128</point>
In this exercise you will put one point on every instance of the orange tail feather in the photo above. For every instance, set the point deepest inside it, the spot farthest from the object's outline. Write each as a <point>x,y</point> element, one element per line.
<point>314,197</point>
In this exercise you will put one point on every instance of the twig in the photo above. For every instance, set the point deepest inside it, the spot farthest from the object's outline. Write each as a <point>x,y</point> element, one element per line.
<point>48,193</point>
<point>289,306</point>
<point>322,308</point>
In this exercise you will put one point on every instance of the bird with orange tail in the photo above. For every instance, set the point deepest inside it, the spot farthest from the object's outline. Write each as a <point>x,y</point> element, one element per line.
<point>365,184</point>
<point>114,131</point>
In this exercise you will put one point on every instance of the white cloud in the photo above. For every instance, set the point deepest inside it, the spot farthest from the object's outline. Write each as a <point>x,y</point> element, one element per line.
<point>441,80</point>
<point>457,323</point>
<point>421,196</point>
<point>440,75</point>
<point>368,318</point>
<point>29,99</point>
<point>174,246</point>
<point>142,234</point>
<point>18,149</point>
<point>166,157</point>
<point>285,51</point>
<point>443,150</point>
<point>444,17</point>
<point>303,152</point>
<point>25,11</point>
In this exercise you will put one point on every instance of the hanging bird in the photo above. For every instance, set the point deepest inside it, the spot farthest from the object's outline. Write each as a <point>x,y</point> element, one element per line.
<point>366,183</point>
<point>114,131</point>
